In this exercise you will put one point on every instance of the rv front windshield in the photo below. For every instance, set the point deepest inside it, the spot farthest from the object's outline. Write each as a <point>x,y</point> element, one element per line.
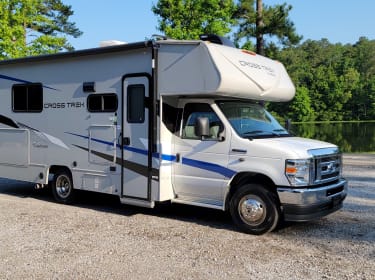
<point>251,120</point>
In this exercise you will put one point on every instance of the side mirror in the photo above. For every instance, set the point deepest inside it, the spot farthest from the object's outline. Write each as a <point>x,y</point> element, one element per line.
<point>202,127</point>
<point>288,124</point>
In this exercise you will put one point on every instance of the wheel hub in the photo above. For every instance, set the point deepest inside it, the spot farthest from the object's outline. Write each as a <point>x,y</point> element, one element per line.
<point>63,187</point>
<point>252,210</point>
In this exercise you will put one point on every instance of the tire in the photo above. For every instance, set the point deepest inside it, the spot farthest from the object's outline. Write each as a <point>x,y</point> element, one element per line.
<point>254,209</point>
<point>62,187</point>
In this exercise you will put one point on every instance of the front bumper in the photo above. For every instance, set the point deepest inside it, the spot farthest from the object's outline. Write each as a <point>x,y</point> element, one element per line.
<point>312,203</point>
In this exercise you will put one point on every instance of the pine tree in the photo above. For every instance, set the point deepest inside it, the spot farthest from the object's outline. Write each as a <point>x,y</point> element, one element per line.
<point>265,21</point>
<point>32,27</point>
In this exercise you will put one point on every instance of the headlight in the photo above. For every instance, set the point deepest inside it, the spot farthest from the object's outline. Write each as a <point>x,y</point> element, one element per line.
<point>298,171</point>
<point>340,163</point>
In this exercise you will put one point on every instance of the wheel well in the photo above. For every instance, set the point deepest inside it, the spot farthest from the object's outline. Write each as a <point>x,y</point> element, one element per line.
<point>248,177</point>
<point>55,168</point>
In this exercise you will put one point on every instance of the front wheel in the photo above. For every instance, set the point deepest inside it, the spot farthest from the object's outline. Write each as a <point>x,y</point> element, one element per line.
<point>62,187</point>
<point>254,209</point>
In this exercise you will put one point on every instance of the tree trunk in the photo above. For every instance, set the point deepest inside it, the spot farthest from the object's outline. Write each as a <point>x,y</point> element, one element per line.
<point>259,28</point>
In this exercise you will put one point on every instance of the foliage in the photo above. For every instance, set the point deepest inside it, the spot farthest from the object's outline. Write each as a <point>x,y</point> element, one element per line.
<point>362,104</point>
<point>333,81</point>
<point>187,19</point>
<point>31,27</point>
<point>265,21</point>
<point>301,108</point>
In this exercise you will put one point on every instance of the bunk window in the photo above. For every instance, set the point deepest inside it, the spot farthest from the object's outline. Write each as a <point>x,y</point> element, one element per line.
<point>27,98</point>
<point>136,104</point>
<point>106,102</point>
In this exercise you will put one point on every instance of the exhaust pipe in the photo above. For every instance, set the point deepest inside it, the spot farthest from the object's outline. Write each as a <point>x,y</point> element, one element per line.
<point>39,186</point>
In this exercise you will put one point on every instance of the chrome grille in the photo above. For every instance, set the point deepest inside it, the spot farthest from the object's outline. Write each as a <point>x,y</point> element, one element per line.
<point>327,167</point>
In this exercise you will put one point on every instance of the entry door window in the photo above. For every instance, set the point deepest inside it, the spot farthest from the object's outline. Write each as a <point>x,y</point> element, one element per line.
<point>136,104</point>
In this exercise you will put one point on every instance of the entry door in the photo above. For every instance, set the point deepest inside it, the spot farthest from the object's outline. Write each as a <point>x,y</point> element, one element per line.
<point>135,140</point>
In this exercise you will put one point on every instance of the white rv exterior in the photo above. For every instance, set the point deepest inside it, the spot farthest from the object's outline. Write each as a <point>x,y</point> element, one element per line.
<point>161,121</point>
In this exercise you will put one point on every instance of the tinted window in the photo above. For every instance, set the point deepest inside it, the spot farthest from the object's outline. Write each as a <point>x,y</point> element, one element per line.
<point>192,112</point>
<point>27,98</point>
<point>171,117</point>
<point>106,102</point>
<point>136,104</point>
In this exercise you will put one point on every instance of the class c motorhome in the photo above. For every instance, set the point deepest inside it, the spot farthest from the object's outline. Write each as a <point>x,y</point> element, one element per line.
<point>165,120</point>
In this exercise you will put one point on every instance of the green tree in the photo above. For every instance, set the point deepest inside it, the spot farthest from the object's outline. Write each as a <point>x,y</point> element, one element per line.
<point>334,78</point>
<point>328,73</point>
<point>187,19</point>
<point>32,27</point>
<point>265,21</point>
<point>300,108</point>
<point>363,102</point>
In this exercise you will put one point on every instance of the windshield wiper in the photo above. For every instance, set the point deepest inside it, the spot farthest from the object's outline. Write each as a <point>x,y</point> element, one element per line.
<point>287,133</point>
<point>253,132</point>
<point>248,134</point>
<point>256,133</point>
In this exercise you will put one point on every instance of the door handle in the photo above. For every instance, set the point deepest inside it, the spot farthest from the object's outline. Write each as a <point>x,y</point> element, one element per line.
<point>125,141</point>
<point>242,151</point>
<point>119,140</point>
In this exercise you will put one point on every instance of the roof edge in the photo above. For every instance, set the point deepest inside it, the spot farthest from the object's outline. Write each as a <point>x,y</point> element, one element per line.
<point>78,53</point>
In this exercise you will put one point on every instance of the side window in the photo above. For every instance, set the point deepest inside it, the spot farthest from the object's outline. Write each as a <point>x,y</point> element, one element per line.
<point>171,117</point>
<point>136,103</point>
<point>194,110</point>
<point>106,102</point>
<point>27,98</point>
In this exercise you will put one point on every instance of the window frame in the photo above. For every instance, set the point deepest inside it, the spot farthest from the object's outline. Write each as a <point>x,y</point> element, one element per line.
<point>102,105</point>
<point>130,108</point>
<point>200,108</point>
<point>38,87</point>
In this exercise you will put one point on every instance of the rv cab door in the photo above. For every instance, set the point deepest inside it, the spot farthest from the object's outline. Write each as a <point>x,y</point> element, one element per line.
<point>199,175</point>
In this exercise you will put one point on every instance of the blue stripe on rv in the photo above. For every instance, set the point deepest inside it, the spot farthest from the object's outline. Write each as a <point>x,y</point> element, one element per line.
<point>130,149</point>
<point>186,161</point>
<point>21,81</point>
<point>208,166</point>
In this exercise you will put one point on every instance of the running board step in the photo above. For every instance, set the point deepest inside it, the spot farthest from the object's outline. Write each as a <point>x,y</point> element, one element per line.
<point>198,203</point>
<point>137,202</point>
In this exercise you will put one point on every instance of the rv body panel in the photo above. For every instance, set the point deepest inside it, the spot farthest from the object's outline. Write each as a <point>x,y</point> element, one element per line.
<point>65,132</point>
<point>222,71</point>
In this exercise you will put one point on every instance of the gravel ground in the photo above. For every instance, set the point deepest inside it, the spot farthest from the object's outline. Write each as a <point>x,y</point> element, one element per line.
<point>98,238</point>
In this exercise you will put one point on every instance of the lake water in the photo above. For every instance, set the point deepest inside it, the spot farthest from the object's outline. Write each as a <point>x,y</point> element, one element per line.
<point>350,137</point>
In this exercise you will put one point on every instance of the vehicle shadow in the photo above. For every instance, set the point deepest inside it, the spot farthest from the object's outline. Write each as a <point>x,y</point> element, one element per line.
<point>111,204</point>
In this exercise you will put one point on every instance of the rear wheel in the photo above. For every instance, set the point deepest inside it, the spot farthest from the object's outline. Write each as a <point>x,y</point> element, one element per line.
<point>254,209</point>
<point>62,187</point>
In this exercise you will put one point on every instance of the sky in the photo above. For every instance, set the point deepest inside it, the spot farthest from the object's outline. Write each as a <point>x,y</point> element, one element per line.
<point>339,21</point>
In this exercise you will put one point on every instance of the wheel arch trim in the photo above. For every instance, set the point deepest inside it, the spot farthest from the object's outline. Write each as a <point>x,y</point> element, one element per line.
<point>242,178</point>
